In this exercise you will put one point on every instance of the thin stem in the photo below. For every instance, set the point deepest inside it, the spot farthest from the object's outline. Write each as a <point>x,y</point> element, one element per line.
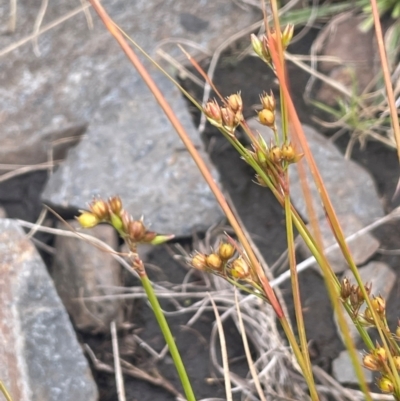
<point>296,296</point>
<point>5,392</point>
<point>162,322</point>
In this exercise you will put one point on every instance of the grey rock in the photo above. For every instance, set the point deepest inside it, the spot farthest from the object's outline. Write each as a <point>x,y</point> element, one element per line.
<point>361,248</point>
<point>343,370</point>
<point>81,270</point>
<point>350,187</point>
<point>344,40</point>
<point>40,358</point>
<point>82,77</point>
<point>382,278</point>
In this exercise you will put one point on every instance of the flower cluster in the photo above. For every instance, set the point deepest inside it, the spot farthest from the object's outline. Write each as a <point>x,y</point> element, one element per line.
<point>227,117</point>
<point>112,212</point>
<point>225,262</point>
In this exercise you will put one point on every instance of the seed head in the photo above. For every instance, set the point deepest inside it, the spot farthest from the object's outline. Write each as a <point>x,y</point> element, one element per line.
<point>100,209</point>
<point>345,288</point>
<point>240,269</point>
<point>268,101</point>
<point>371,362</point>
<point>214,261</point>
<point>267,117</point>
<point>288,152</point>
<point>213,112</point>
<point>379,305</point>
<point>88,220</point>
<point>276,154</point>
<point>385,385</point>
<point>287,35</point>
<point>228,117</point>
<point>380,354</point>
<point>199,262</point>
<point>136,230</point>
<point>235,102</point>
<point>226,251</point>
<point>115,205</point>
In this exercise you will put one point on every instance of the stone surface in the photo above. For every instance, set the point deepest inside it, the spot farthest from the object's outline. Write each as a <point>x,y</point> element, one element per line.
<point>81,270</point>
<point>82,77</point>
<point>344,40</point>
<point>343,370</point>
<point>382,278</point>
<point>350,187</point>
<point>361,248</point>
<point>40,358</point>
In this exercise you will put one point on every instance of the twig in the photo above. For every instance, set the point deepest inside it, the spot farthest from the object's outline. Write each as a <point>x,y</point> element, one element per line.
<point>117,366</point>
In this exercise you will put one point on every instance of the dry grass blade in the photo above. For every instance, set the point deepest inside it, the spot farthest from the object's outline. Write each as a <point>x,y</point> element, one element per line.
<point>224,353</point>
<point>117,365</point>
<point>250,362</point>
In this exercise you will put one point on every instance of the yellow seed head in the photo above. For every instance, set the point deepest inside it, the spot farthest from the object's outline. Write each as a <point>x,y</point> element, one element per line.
<point>287,35</point>
<point>199,262</point>
<point>266,117</point>
<point>235,102</point>
<point>288,152</point>
<point>385,385</point>
<point>275,154</point>
<point>379,305</point>
<point>380,354</point>
<point>371,362</point>
<point>240,269</point>
<point>396,360</point>
<point>214,261</point>
<point>226,250</point>
<point>88,220</point>
<point>257,45</point>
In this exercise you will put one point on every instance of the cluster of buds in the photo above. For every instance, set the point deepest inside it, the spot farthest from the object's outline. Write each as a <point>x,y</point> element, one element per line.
<point>354,294</point>
<point>224,262</point>
<point>227,117</point>
<point>112,212</point>
<point>266,115</point>
<point>262,46</point>
<point>377,361</point>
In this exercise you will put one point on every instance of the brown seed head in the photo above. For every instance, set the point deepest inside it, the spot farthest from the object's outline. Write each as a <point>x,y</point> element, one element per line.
<point>115,205</point>
<point>148,236</point>
<point>213,261</point>
<point>228,117</point>
<point>88,220</point>
<point>199,261</point>
<point>267,117</point>
<point>100,209</point>
<point>213,112</point>
<point>240,269</point>
<point>345,288</point>
<point>126,219</point>
<point>136,230</point>
<point>226,250</point>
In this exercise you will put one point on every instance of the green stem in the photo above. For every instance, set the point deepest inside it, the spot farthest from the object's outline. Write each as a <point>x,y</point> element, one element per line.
<point>162,322</point>
<point>296,297</point>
